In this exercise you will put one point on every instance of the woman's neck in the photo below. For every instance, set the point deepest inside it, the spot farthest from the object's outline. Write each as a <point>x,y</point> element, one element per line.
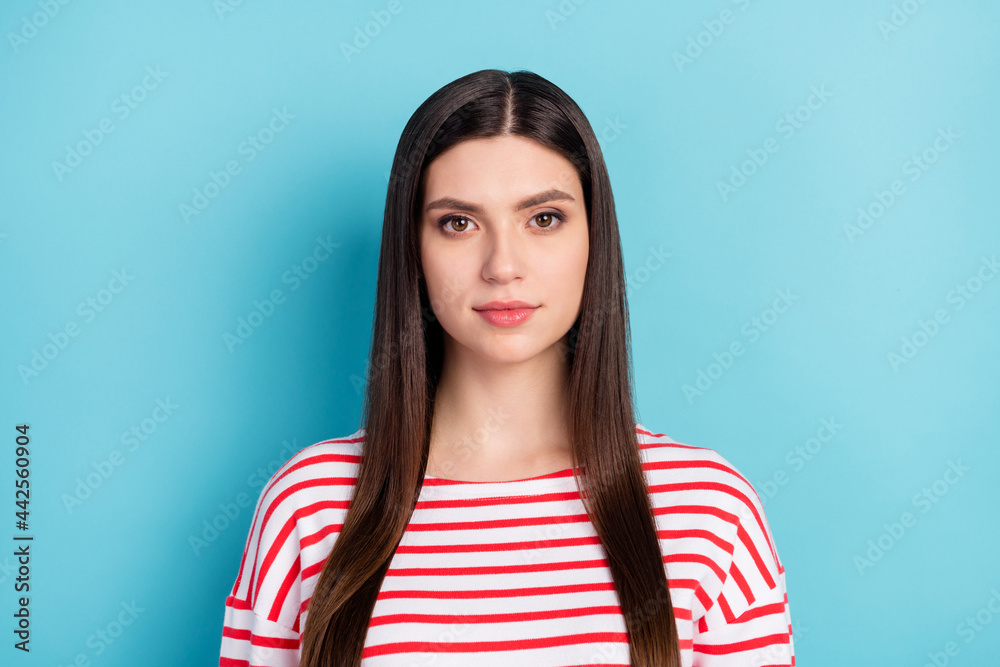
<point>494,422</point>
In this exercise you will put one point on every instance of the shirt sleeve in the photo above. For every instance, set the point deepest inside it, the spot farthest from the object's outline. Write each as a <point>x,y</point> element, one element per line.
<point>748,624</point>
<point>261,624</point>
<point>251,641</point>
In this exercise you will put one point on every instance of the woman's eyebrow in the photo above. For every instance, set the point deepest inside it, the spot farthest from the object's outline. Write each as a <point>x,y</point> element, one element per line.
<point>527,202</point>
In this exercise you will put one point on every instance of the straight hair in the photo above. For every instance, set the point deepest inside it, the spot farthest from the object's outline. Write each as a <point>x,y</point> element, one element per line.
<point>405,362</point>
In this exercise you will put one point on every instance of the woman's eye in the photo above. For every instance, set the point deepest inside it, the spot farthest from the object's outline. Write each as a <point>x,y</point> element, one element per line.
<point>548,219</point>
<point>460,222</point>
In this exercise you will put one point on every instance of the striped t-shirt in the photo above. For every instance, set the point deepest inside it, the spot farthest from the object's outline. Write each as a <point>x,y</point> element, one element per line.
<point>513,573</point>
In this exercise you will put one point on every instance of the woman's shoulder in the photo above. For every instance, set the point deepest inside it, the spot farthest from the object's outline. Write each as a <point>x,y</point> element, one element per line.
<point>309,492</point>
<point>317,480</point>
<point>661,448</point>
<point>710,513</point>
<point>699,482</point>
<point>320,476</point>
<point>331,462</point>
<point>677,466</point>
<point>343,452</point>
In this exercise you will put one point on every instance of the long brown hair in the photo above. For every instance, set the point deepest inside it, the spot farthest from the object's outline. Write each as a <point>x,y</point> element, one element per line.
<point>406,355</point>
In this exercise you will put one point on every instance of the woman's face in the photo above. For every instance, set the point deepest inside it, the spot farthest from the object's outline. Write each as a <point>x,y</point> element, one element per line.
<point>503,219</point>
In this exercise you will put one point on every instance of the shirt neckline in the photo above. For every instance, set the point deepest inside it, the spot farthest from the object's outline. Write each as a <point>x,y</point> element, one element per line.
<point>443,481</point>
<point>437,488</point>
<point>560,480</point>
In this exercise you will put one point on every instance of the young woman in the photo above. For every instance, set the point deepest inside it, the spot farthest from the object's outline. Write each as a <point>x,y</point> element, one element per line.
<point>501,505</point>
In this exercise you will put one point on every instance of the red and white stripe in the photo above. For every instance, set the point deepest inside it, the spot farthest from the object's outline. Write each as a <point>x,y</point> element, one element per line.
<point>500,573</point>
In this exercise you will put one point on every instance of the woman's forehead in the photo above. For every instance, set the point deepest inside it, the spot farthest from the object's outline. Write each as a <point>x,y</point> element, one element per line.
<point>509,168</point>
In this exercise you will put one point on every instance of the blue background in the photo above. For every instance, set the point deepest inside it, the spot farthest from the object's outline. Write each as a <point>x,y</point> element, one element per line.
<point>702,264</point>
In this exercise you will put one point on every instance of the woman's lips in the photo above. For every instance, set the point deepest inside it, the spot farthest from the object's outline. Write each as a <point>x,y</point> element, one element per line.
<point>508,317</point>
